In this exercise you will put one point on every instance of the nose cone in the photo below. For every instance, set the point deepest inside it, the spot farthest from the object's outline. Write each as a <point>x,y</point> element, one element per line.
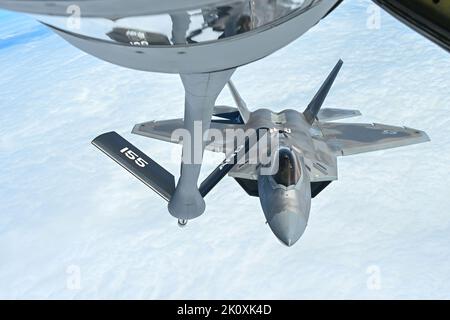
<point>288,226</point>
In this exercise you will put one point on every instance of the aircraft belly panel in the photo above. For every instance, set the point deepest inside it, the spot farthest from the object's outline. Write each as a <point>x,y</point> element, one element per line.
<point>209,56</point>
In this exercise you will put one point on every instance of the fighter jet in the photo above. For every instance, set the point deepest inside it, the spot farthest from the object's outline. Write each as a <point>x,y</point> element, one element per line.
<point>308,144</point>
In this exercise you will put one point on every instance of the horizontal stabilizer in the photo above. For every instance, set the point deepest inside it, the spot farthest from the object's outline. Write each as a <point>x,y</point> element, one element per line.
<point>228,115</point>
<point>331,114</point>
<point>224,109</point>
<point>137,163</point>
<point>159,130</point>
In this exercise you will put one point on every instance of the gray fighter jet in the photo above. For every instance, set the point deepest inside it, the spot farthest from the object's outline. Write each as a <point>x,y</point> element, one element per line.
<point>306,152</point>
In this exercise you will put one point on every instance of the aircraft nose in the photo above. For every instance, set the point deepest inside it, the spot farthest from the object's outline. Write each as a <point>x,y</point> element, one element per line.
<point>288,226</point>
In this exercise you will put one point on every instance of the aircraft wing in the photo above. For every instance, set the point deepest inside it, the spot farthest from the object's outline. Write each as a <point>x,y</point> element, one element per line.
<point>352,138</point>
<point>163,130</point>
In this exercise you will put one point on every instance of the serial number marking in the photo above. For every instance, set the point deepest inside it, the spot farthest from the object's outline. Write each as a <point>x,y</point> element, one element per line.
<point>130,154</point>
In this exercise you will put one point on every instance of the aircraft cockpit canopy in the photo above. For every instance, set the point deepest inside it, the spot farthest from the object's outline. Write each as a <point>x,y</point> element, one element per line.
<point>289,171</point>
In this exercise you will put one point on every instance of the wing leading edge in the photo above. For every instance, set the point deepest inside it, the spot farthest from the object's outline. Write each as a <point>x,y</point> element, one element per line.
<point>353,138</point>
<point>166,130</point>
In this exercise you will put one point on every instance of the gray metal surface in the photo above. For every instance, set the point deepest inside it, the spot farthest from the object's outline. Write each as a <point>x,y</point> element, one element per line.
<point>286,208</point>
<point>177,36</point>
<point>240,103</point>
<point>201,23</point>
<point>314,106</point>
<point>201,92</point>
<point>164,130</point>
<point>331,114</point>
<point>352,138</point>
<point>202,57</point>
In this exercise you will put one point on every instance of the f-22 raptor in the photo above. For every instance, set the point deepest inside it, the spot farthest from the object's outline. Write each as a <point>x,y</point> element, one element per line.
<point>306,155</point>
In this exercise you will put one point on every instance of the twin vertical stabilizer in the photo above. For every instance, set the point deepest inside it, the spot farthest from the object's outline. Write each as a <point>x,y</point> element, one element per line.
<point>316,103</point>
